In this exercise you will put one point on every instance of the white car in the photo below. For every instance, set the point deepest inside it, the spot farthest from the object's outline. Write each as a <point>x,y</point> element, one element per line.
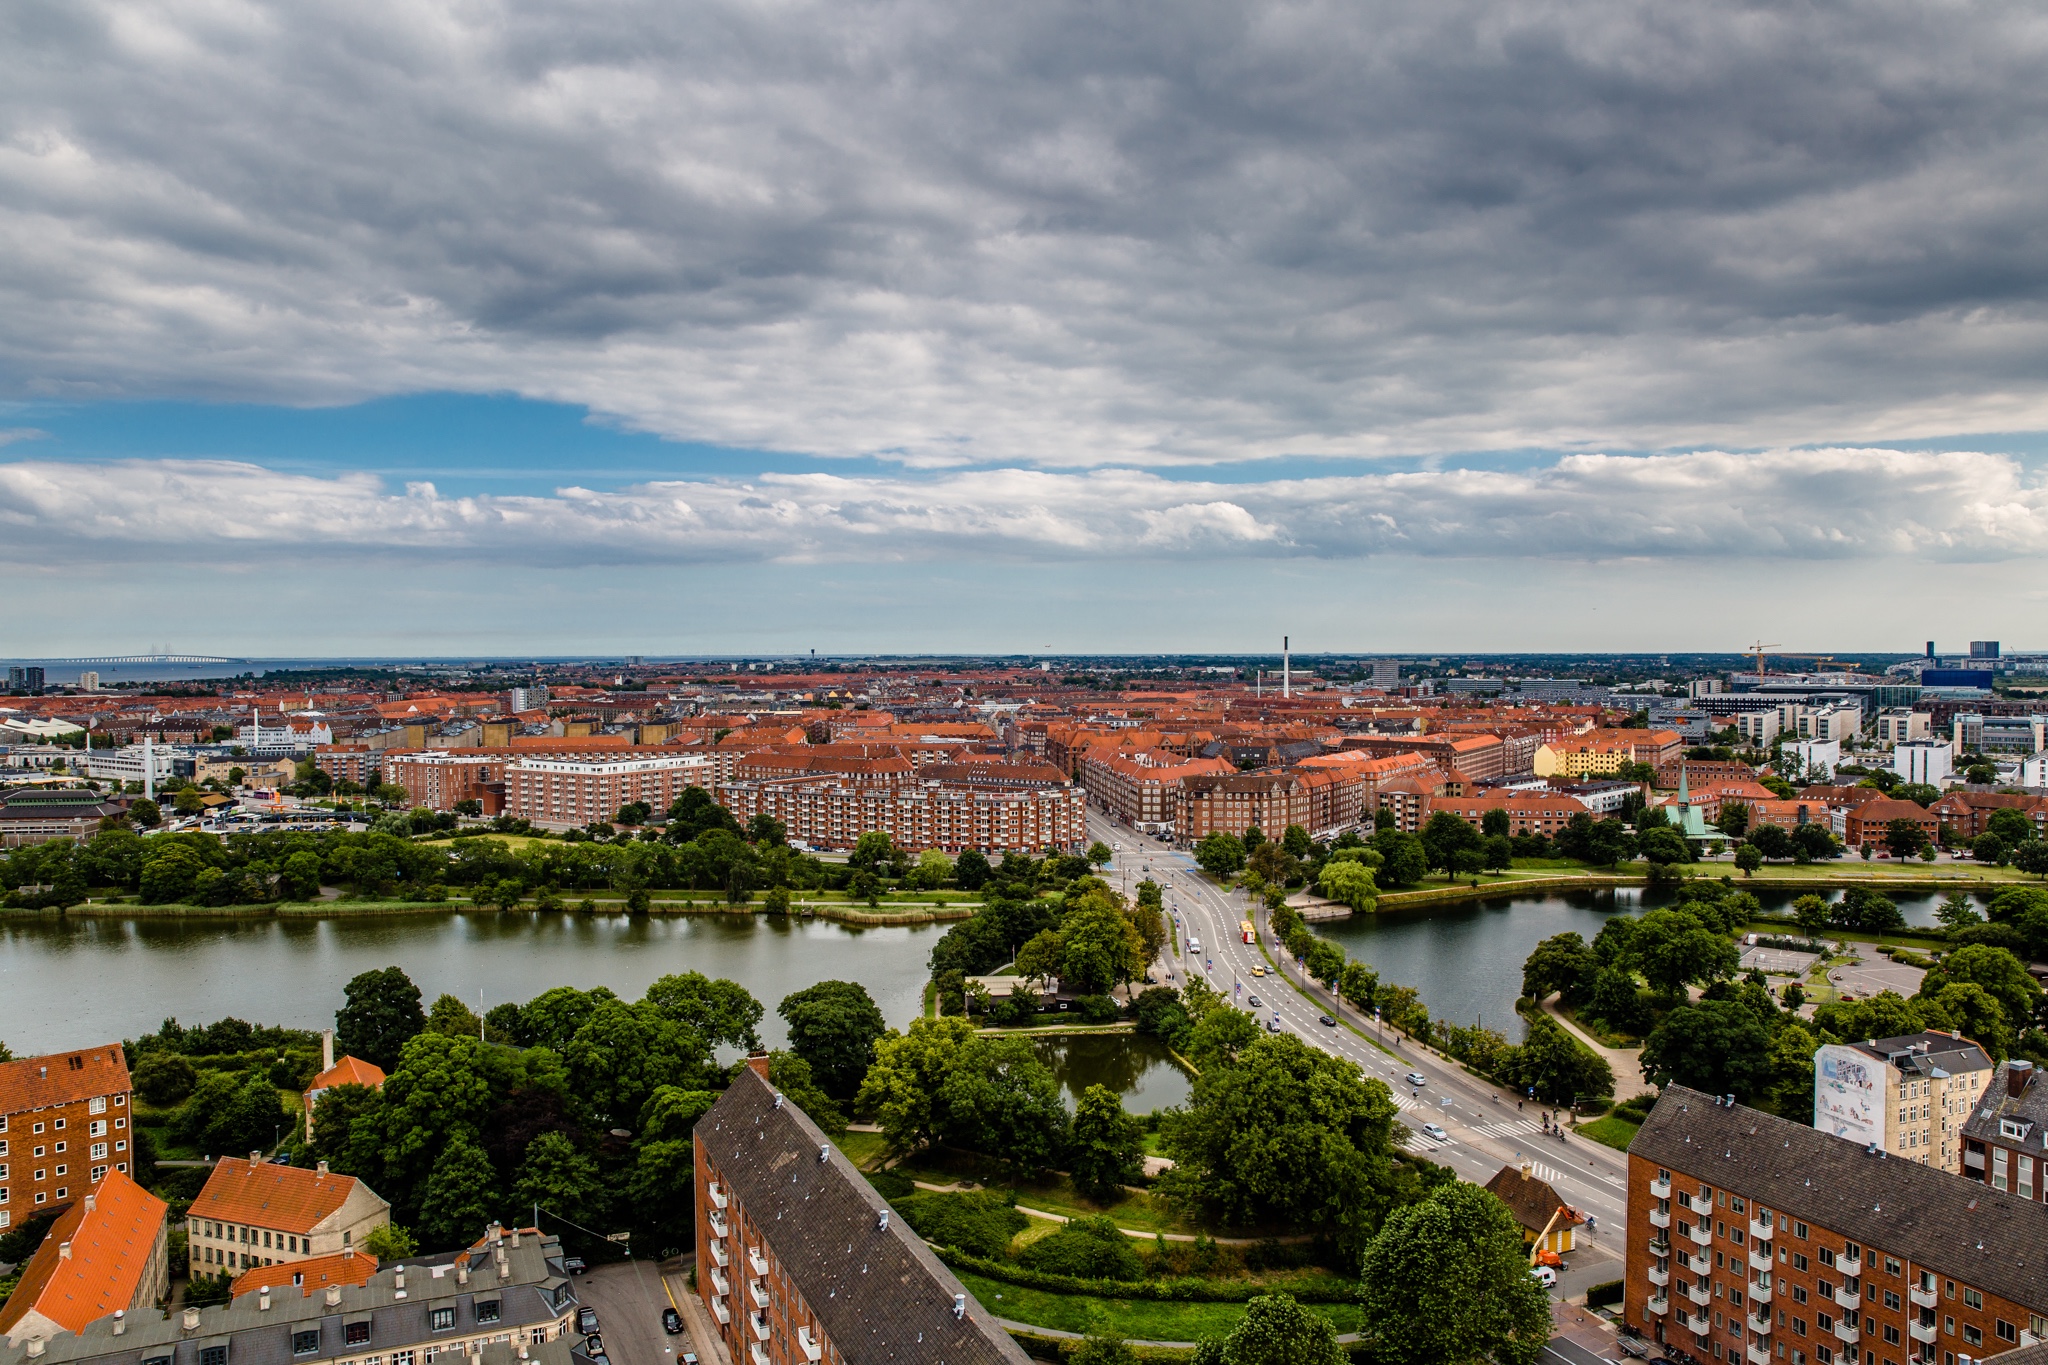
<point>1435,1130</point>
<point>1417,1079</point>
<point>1545,1275</point>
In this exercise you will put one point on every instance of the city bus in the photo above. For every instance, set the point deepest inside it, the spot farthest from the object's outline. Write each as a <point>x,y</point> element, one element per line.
<point>1251,935</point>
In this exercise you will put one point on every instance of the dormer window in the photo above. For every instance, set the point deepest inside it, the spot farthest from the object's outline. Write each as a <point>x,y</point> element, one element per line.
<point>2013,1128</point>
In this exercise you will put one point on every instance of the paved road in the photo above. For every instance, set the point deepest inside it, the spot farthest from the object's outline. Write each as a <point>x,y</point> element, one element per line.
<point>629,1298</point>
<point>1485,1130</point>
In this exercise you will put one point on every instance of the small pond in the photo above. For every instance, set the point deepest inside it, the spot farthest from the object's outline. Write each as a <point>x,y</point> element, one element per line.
<point>1137,1066</point>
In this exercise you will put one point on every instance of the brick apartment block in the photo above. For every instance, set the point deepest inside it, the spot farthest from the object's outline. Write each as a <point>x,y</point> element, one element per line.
<point>63,1127</point>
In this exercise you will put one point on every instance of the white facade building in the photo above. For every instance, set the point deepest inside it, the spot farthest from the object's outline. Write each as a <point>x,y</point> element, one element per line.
<point>144,763</point>
<point>1825,754</point>
<point>1898,725</point>
<point>1925,760</point>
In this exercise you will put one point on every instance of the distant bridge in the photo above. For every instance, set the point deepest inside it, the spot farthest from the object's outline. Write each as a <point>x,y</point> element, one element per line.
<point>148,659</point>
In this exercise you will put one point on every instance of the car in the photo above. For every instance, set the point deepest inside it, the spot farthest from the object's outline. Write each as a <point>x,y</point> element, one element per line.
<point>1258,971</point>
<point>1253,1001</point>
<point>1545,1275</point>
<point>689,1358</point>
<point>1327,1021</point>
<point>1435,1130</point>
<point>1417,1079</point>
<point>586,1320</point>
<point>574,1265</point>
<point>593,1346</point>
<point>1272,1026</point>
<point>671,1321</point>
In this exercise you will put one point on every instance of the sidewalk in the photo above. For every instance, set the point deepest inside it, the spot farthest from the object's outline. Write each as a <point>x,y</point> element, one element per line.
<point>1626,1063</point>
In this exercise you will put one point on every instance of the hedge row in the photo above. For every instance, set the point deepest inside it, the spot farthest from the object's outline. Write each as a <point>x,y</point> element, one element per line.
<point>1181,1289</point>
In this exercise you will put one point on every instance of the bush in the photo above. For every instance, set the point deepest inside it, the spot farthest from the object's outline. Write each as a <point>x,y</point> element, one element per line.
<point>164,1080</point>
<point>1086,1248</point>
<point>892,1185</point>
<point>1097,1009</point>
<point>981,1223</point>
<point>1183,1289</point>
<point>1599,1294</point>
<point>1636,1109</point>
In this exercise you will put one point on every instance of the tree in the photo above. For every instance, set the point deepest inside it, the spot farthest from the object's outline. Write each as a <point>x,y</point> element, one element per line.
<point>1220,853</point>
<point>1107,1149</point>
<point>559,1178</point>
<point>1561,964</point>
<point>1101,947</point>
<point>1500,853</point>
<point>1672,949</point>
<point>1359,985</point>
<point>1350,882</point>
<point>1406,860</point>
<point>1325,962</point>
<point>1771,841</point>
<point>299,879</point>
<point>389,1242</point>
<point>932,870</point>
<point>2002,975</point>
<point>1813,914</point>
<point>1557,1069</point>
<point>901,1087</point>
<point>2032,857</point>
<point>1103,1350</point>
<point>1283,1133</point>
<point>1275,1330</point>
<point>1904,838</point>
<point>833,1026</point>
<point>874,851</point>
<point>1446,835</point>
<point>1447,1280</point>
<point>1813,843</point>
<point>2011,825</point>
<point>380,1011</point>
<point>460,1196</point>
<point>1713,1045</point>
<point>169,873</point>
<point>230,1112</point>
<point>623,1053</point>
<point>144,813</point>
<point>1969,1009</point>
<point>1749,859</point>
<point>1617,1002</point>
<point>719,1011</point>
<point>971,869</point>
<point>1495,822</point>
<point>1099,854</point>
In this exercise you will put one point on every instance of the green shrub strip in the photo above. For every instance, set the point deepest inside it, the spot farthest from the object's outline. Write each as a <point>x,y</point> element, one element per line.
<point>1180,1289</point>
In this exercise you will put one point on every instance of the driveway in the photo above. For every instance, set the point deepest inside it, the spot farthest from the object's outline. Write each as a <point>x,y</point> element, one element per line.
<point>629,1298</point>
<point>1870,975</point>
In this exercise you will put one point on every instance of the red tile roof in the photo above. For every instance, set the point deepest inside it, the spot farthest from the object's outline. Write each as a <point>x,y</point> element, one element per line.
<point>349,1071</point>
<point>290,1198</point>
<point>110,1236</point>
<point>315,1272</point>
<point>62,1078</point>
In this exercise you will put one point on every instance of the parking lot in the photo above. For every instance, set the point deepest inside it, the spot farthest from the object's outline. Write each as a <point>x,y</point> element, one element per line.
<point>1873,974</point>
<point>1780,960</point>
<point>629,1298</point>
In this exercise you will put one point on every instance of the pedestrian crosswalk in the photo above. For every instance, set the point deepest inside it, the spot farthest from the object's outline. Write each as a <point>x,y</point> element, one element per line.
<point>1513,1128</point>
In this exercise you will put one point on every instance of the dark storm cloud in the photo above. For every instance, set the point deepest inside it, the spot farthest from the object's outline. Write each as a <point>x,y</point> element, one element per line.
<point>1061,233</point>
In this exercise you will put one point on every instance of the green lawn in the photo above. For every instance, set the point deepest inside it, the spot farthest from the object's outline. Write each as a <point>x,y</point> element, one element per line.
<point>1139,1211</point>
<point>1611,1131</point>
<point>863,1149</point>
<point>1139,1319</point>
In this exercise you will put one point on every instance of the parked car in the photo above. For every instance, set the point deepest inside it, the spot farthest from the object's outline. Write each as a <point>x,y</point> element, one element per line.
<point>1417,1079</point>
<point>1435,1130</point>
<point>671,1321</point>
<point>1545,1276</point>
<point>689,1358</point>
<point>593,1346</point>
<point>586,1320</point>
<point>574,1265</point>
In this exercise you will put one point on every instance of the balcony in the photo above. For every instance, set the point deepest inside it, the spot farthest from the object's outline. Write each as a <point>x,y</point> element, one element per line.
<point>719,1284</point>
<point>1659,1305</point>
<point>1660,1246</point>
<point>1700,1297</point>
<point>1851,1266</point>
<point>1841,1297</point>
<point>1757,1355</point>
<point>758,1354</point>
<point>1760,1260</point>
<point>718,1224</point>
<point>758,1292</point>
<point>757,1323</point>
<point>1846,1333</point>
<point>757,1261</point>
<point>1695,1323</point>
<point>1922,1332</point>
<point>1759,1230</point>
<point>721,1312</point>
<point>718,1199</point>
<point>1922,1298</point>
<point>1759,1292</point>
<point>1760,1325</point>
<point>1660,1189</point>
<point>720,1257</point>
<point>1697,1264</point>
<point>1660,1218</point>
<point>1702,1234</point>
<point>808,1341</point>
<point>1660,1278</point>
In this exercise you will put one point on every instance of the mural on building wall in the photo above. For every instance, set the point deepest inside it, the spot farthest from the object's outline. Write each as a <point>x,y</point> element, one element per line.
<point>1848,1095</point>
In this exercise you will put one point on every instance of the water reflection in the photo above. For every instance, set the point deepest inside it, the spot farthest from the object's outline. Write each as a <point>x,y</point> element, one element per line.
<point>1136,1066</point>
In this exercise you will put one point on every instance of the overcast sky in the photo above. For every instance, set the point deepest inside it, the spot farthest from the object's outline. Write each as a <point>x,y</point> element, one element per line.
<point>681,325</point>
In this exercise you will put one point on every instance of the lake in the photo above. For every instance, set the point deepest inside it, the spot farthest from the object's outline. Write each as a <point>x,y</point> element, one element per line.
<point>1136,1066</point>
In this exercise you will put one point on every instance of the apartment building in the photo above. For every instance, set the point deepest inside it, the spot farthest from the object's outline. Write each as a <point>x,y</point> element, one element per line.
<point>105,1254</point>
<point>798,1259</point>
<point>2005,1136</point>
<point>564,793</point>
<point>36,815</point>
<point>1605,751</point>
<point>826,814</point>
<point>1900,724</point>
<point>310,1276</point>
<point>1908,1095</point>
<point>1234,803</point>
<point>1143,789</point>
<point>1968,814</point>
<point>508,1300</point>
<point>357,763</point>
<point>63,1128</point>
<point>1924,760</point>
<point>1869,822</point>
<point>252,1213</point>
<point>1754,1238</point>
<point>1528,812</point>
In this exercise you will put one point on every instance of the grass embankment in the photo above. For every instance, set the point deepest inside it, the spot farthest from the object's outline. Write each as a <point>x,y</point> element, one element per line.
<point>1140,1319</point>
<point>1610,1131</point>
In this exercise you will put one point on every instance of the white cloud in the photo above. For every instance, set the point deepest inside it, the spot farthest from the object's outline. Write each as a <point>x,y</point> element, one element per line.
<point>1059,235</point>
<point>1835,504</point>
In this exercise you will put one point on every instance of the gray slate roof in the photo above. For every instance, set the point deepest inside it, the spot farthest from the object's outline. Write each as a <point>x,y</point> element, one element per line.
<point>1955,1227</point>
<point>879,1294</point>
<point>1925,1053</point>
<point>533,1291</point>
<point>2030,1108</point>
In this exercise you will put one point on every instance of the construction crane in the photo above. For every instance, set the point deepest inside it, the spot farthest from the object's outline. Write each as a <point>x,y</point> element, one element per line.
<point>1758,649</point>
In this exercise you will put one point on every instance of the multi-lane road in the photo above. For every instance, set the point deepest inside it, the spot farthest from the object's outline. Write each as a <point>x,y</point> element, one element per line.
<point>1484,1127</point>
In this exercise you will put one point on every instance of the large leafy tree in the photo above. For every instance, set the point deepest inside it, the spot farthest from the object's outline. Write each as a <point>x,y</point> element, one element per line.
<point>833,1026</point>
<point>1560,1071</point>
<point>1284,1132</point>
<point>901,1088</point>
<point>460,1198</point>
<point>998,1098</point>
<point>1350,882</point>
<point>720,1012</point>
<point>1718,1046</point>
<point>2002,975</point>
<point>1107,1148</point>
<point>1220,853</point>
<point>1102,948</point>
<point>231,1112</point>
<point>1673,948</point>
<point>1447,1281</point>
<point>559,1178</point>
<point>1275,1330</point>
<point>1563,965</point>
<point>380,1011</point>
<point>623,1053</point>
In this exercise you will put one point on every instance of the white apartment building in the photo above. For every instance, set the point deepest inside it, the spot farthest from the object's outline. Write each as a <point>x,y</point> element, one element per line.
<point>565,793</point>
<point>1900,724</point>
<point>1925,760</point>
<point>1812,753</point>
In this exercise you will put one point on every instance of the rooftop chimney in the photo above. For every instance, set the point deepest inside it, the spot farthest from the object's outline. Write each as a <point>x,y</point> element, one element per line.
<point>91,1202</point>
<point>321,1168</point>
<point>190,1321</point>
<point>255,1160</point>
<point>35,1347</point>
<point>2017,1074</point>
<point>327,1049</point>
<point>334,1296</point>
<point>263,1299</point>
<point>120,1321</point>
<point>959,1305</point>
<point>758,1063</point>
<point>64,1251</point>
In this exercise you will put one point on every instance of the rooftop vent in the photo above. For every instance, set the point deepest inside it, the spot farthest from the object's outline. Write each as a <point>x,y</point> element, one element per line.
<point>882,1221</point>
<point>824,1153</point>
<point>190,1320</point>
<point>959,1305</point>
<point>778,1099</point>
<point>120,1321</point>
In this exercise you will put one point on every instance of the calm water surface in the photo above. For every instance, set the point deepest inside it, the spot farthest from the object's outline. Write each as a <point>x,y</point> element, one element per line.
<point>64,983</point>
<point>1137,1067</point>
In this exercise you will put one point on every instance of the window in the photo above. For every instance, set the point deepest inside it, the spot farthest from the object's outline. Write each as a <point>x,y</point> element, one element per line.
<point>156,1360</point>
<point>355,1334</point>
<point>1891,1335</point>
<point>120,1123</point>
<point>1891,1300</point>
<point>99,1173</point>
<point>401,1358</point>
<point>97,1128</point>
<point>2006,1331</point>
<point>42,1151</point>
<point>1827,1256</point>
<point>213,1355</point>
<point>1798,1261</point>
<point>99,1151</point>
<point>1799,1293</point>
<point>1799,1230</point>
<point>307,1342</point>
<point>1891,1266</point>
<point>1973,1298</point>
<point>487,1310</point>
<point>1735,1205</point>
<point>38,1128</point>
<point>1972,1336</point>
<point>440,1319</point>
<point>58,1125</point>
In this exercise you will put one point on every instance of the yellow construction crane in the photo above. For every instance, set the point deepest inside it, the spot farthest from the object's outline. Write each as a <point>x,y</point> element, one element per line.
<point>1758,649</point>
